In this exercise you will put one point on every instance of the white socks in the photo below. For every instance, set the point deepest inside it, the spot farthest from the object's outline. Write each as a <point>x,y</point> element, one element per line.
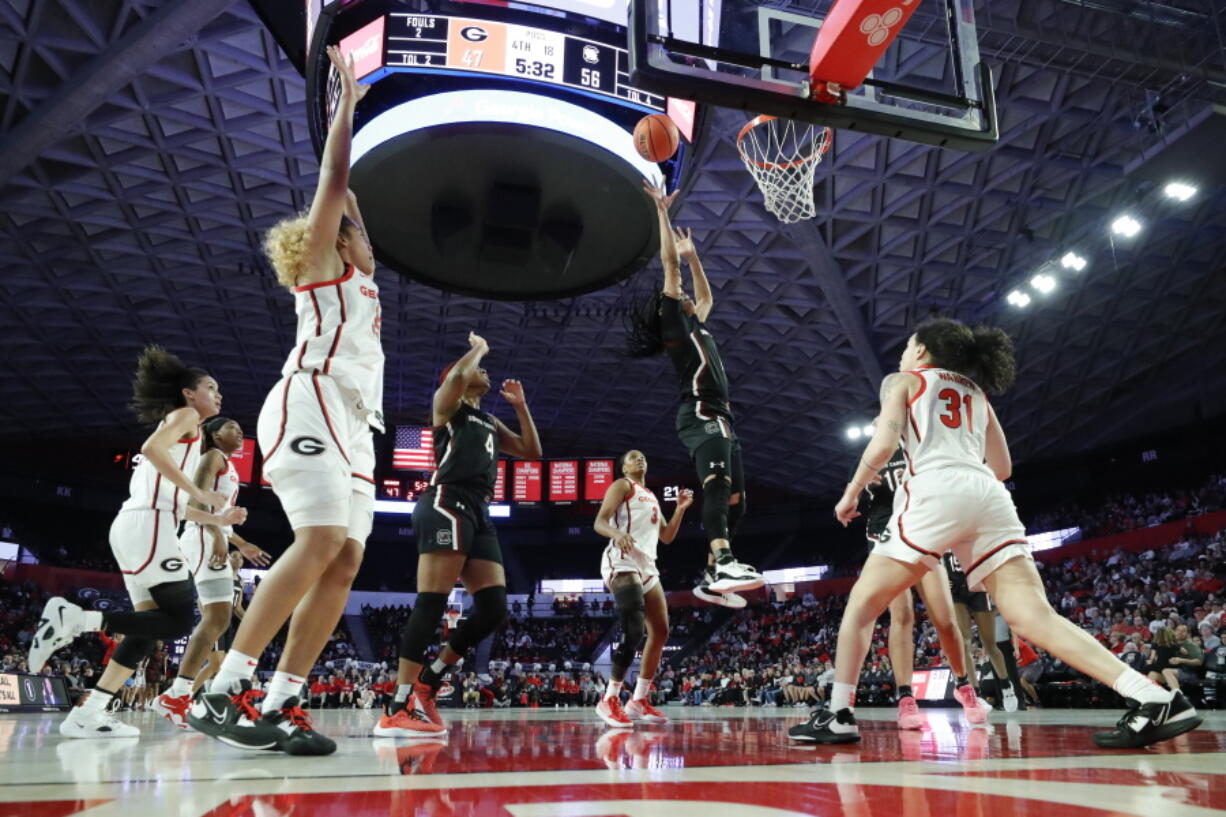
<point>1132,684</point>
<point>235,667</point>
<point>91,620</point>
<point>641,688</point>
<point>182,686</point>
<point>96,702</point>
<point>403,691</point>
<point>843,696</point>
<point>282,687</point>
<point>613,690</point>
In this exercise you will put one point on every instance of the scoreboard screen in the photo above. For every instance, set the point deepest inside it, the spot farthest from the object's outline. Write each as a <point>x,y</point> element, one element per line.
<point>244,460</point>
<point>434,42</point>
<point>597,477</point>
<point>526,480</point>
<point>564,481</point>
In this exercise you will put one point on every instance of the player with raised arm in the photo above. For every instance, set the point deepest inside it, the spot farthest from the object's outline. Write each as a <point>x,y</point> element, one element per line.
<point>175,398</point>
<point>206,549</point>
<point>954,498</point>
<point>455,538</point>
<point>631,519</point>
<point>315,430</point>
<point>933,590</point>
<point>670,321</point>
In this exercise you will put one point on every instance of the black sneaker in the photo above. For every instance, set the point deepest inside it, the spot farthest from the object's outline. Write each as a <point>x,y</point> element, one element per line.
<point>296,735</point>
<point>1149,723</point>
<point>233,718</point>
<point>825,726</point>
<point>735,577</point>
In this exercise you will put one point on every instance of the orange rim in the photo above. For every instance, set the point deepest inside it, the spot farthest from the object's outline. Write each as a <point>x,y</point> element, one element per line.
<point>762,120</point>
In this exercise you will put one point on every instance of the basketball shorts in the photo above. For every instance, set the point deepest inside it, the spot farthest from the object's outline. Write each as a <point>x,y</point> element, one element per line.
<point>711,441</point>
<point>213,584</point>
<point>975,602</point>
<point>613,562</point>
<point>958,509</point>
<point>446,518</point>
<point>147,550</point>
<point>321,455</point>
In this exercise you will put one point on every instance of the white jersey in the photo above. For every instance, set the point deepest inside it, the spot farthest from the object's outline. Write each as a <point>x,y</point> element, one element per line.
<point>639,515</point>
<point>226,482</point>
<point>947,423</point>
<point>339,322</point>
<point>150,491</point>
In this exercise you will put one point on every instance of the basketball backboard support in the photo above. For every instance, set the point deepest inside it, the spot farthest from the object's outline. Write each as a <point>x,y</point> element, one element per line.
<point>929,85</point>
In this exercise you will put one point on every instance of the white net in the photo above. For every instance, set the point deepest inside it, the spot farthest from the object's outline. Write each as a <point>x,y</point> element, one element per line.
<point>782,155</point>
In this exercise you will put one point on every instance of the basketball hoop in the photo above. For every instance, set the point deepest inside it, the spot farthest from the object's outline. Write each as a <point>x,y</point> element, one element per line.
<point>453,618</point>
<point>782,155</point>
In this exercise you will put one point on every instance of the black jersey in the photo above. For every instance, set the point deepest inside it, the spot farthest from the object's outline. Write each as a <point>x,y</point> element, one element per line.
<point>957,576</point>
<point>881,497</point>
<point>466,450</point>
<point>237,598</point>
<point>695,356</point>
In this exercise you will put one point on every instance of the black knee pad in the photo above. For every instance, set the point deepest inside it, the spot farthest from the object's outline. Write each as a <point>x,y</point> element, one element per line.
<point>715,495</point>
<point>132,650</point>
<point>419,630</point>
<point>488,612</point>
<point>736,513</point>
<point>177,600</point>
<point>633,612</point>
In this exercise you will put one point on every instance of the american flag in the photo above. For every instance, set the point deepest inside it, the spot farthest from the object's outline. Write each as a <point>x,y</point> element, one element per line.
<point>414,449</point>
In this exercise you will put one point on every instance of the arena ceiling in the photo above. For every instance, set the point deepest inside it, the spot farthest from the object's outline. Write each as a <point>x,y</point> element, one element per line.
<point>145,146</point>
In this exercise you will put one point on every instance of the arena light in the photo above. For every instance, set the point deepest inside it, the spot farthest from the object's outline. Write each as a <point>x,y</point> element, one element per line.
<point>1018,298</point>
<point>1126,225</point>
<point>1073,261</point>
<point>1043,283</point>
<point>869,431</point>
<point>854,432</point>
<point>1179,191</point>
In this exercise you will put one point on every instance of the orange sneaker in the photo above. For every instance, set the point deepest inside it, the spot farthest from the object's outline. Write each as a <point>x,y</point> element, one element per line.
<point>909,716</point>
<point>424,695</point>
<point>972,707</point>
<point>610,711</point>
<point>641,709</point>
<point>407,723</point>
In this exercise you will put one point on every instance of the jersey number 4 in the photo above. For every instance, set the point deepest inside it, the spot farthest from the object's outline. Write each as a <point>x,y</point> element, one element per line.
<point>489,445</point>
<point>953,409</point>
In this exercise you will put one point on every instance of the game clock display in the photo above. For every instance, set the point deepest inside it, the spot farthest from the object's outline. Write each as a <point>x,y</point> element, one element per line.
<point>422,42</point>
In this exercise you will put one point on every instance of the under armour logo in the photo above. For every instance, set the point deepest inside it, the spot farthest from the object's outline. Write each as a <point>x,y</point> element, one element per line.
<point>719,464</point>
<point>460,506</point>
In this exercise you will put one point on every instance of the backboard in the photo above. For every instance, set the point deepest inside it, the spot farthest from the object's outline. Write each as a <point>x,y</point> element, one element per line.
<point>925,81</point>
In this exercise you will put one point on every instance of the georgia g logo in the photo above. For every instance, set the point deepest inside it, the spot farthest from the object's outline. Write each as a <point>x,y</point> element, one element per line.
<point>307,446</point>
<point>474,34</point>
<point>172,564</point>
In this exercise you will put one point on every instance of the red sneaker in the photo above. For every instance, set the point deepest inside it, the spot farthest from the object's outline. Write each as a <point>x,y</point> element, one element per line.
<point>972,707</point>
<point>641,709</point>
<point>408,723</point>
<point>610,711</point>
<point>909,716</point>
<point>173,708</point>
<point>424,694</point>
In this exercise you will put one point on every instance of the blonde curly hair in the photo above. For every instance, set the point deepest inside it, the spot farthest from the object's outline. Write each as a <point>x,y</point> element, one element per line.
<point>285,246</point>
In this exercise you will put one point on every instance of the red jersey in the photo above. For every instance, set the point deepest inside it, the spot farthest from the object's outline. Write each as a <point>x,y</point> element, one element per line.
<point>1025,654</point>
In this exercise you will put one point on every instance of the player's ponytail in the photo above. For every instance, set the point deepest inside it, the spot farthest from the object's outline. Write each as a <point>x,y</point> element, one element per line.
<point>158,386</point>
<point>984,354</point>
<point>644,325</point>
<point>992,359</point>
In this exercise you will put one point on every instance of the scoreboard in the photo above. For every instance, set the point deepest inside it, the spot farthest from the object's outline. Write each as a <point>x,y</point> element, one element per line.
<point>438,42</point>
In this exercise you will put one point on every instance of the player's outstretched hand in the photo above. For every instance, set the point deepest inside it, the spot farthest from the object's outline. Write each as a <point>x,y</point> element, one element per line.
<point>624,542</point>
<point>683,237</point>
<point>846,511</point>
<point>656,193</point>
<point>475,341</point>
<point>344,65</point>
<point>257,556</point>
<point>513,392</point>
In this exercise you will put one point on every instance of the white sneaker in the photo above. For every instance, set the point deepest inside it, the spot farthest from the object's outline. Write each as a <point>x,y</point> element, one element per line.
<point>1009,699</point>
<point>736,577</point>
<point>59,625</point>
<point>81,724</point>
<point>703,593</point>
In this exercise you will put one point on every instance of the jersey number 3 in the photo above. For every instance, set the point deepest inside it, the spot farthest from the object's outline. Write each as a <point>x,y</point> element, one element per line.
<point>953,409</point>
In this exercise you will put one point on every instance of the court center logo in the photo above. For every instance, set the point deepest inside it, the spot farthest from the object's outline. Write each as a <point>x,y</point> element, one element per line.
<point>307,446</point>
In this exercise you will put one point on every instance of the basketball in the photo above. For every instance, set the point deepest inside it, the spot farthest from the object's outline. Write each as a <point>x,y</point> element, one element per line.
<point>656,137</point>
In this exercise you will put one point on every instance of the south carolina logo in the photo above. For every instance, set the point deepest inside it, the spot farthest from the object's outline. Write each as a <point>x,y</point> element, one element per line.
<point>443,537</point>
